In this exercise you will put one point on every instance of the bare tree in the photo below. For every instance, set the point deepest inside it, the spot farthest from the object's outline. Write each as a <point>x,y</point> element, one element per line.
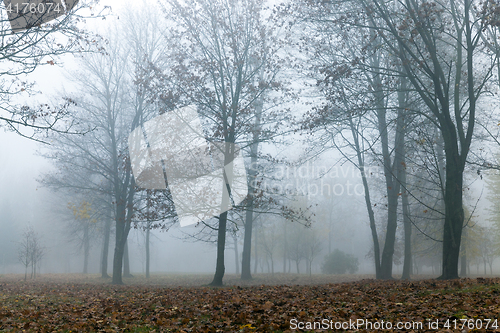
<point>24,253</point>
<point>30,251</point>
<point>24,51</point>
<point>223,63</point>
<point>110,103</point>
<point>439,48</point>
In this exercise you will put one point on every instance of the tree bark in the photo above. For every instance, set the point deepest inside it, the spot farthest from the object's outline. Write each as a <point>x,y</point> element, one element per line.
<point>119,248</point>
<point>229,153</point>
<point>126,261</point>
<point>148,231</point>
<point>247,242</point>
<point>371,215</point>
<point>463,255</point>
<point>148,254</point>
<point>285,246</point>
<point>454,214</point>
<point>391,172</point>
<point>256,256</point>
<point>407,264</point>
<point>105,249</point>
<point>86,246</point>
<point>221,246</point>
<point>236,254</point>
<point>252,175</point>
<point>124,211</point>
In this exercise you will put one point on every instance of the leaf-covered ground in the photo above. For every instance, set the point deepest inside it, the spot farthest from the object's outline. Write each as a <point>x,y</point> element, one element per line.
<point>76,304</point>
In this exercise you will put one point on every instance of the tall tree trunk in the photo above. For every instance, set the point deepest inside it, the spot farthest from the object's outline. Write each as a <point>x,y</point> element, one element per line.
<point>148,231</point>
<point>252,176</point>
<point>391,172</point>
<point>148,254</point>
<point>105,248</point>
<point>285,247</point>
<point>229,153</point>
<point>247,240</point>
<point>390,237</point>
<point>407,264</point>
<point>86,246</point>
<point>236,254</point>
<point>124,210</point>
<point>371,215</point>
<point>256,254</point>
<point>119,247</point>
<point>454,214</point>
<point>391,184</point>
<point>400,159</point>
<point>463,255</point>
<point>221,246</point>
<point>126,261</point>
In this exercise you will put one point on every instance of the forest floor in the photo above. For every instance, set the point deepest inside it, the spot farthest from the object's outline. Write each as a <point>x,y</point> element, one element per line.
<point>280,303</point>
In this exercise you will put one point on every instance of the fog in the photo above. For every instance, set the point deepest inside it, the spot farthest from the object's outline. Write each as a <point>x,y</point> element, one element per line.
<point>311,186</point>
<point>25,201</point>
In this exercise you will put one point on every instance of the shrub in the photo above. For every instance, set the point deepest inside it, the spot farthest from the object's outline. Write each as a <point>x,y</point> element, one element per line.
<point>339,262</point>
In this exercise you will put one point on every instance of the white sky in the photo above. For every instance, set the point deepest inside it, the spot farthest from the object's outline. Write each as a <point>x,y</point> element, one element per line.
<point>20,166</point>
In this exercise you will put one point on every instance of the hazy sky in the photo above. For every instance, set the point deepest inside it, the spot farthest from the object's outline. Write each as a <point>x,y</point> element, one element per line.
<point>20,167</point>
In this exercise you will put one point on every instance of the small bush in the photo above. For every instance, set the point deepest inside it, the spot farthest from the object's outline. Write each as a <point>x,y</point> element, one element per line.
<point>339,262</point>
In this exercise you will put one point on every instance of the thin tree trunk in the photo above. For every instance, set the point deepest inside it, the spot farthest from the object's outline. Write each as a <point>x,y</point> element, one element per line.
<point>86,247</point>
<point>105,248</point>
<point>119,245</point>
<point>407,264</point>
<point>454,214</point>
<point>463,255</point>
<point>252,175</point>
<point>221,246</point>
<point>393,185</point>
<point>148,231</point>
<point>148,253</point>
<point>285,247</point>
<point>229,153</point>
<point>126,261</point>
<point>247,240</point>
<point>255,250</point>
<point>236,254</point>
<point>117,264</point>
<point>371,215</point>
<point>123,220</point>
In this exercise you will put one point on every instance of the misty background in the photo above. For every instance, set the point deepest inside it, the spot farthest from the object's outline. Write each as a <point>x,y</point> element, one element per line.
<point>325,183</point>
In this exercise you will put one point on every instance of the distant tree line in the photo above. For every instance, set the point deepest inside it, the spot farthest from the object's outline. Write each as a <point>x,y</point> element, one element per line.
<point>405,86</point>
